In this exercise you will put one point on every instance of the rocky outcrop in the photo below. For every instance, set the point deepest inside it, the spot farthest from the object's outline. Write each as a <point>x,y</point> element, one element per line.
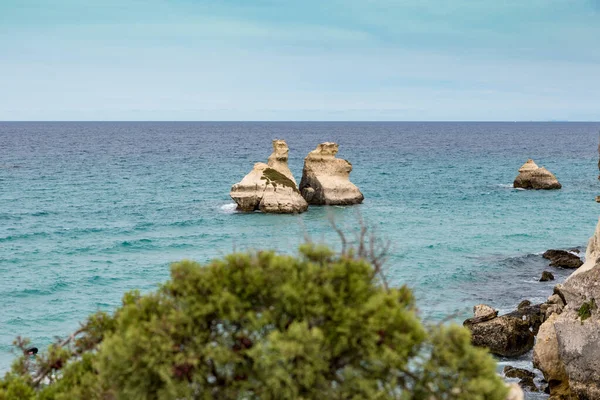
<point>562,259</point>
<point>533,177</point>
<point>270,188</point>
<point>567,349</point>
<point>325,178</point>
<point>525,377</point>
<point>509,335</point>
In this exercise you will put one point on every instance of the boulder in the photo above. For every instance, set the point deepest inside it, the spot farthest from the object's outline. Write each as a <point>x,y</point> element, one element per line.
<point>325,178</point>
<point>270,188</point>
<point>578,336</point>
<point>546,276</point>
<point>509,335</point>
<point>533,177</point>
<point>525,377</point>
<point>484,311</point>
<point>562,259</point>
<point>546,358</point>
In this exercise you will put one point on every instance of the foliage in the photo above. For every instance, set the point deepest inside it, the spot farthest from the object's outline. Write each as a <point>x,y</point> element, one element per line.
<point>585,311</point>
<point>262,326</point>
<point>274,177</point>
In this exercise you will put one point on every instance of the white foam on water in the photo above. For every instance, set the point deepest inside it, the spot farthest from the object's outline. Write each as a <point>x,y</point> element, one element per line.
<point>228,208</point>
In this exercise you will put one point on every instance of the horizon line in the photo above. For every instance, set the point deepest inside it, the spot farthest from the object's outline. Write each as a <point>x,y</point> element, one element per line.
<point>311,121</point>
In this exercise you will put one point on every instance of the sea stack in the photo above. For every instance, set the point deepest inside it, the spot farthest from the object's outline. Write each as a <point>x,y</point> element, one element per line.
<point>533,177</point>
<point>271,187</point>
<point>326,179</point>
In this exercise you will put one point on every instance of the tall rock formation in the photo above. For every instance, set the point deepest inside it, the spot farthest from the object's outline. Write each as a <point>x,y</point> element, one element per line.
<point>567,350</point>
<point>271,187</point>
<point>325,178</point>
<point>533,177</point>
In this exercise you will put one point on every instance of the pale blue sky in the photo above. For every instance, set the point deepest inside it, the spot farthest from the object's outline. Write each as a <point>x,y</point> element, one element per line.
<point>300,60</point>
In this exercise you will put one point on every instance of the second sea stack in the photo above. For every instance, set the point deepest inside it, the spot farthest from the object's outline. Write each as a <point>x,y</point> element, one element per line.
<point>326,179</point>
<point>533,177</point>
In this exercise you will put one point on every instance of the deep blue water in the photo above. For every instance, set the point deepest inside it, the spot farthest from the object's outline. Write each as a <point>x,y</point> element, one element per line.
<point>91,210</point>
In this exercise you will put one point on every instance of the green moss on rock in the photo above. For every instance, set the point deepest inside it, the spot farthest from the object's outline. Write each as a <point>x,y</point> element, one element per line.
<point>275,177</point>
<point>585,311</point>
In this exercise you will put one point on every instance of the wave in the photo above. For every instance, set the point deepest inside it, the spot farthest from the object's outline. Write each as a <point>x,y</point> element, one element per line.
<point>228,208</point>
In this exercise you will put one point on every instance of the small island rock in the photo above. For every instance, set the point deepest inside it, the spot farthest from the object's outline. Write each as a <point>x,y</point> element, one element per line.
<point>533,177</point>
<point>546,276</point>
<point>270,188</point>
<point>325,178</point>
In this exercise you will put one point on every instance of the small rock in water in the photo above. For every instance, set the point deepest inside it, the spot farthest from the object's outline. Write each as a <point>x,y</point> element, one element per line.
<point>547,276</point>
<point>526,377</point>
<point>562,259</point>
<point>533,177</point>
<point>514,372</point>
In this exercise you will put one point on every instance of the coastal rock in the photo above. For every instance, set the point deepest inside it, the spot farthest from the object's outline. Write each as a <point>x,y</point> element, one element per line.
<point>509,335</point>
<point>270,188</point>
<point>547,359</point>
<point>533,177</point>
<point>578,336</point>
<point>515,392</point>
<point>484,311</point>
<point>567,350</point>
<point>325,179</point>
<point>592,253</point>
<point>525,377</point>
<point>546,276</point>
<point>562,259</point>
<point>555,299</point>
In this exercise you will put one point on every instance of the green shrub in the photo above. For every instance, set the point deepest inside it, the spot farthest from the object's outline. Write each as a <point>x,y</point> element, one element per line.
<point>262,326</point>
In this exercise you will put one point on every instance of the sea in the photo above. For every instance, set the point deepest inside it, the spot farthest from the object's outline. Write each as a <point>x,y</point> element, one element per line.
<point>91,210</point>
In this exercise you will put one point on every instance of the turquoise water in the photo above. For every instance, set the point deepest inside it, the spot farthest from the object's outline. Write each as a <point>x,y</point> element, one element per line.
<point>91,210</point>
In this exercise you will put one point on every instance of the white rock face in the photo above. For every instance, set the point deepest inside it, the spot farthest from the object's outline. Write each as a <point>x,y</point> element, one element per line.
<point>270,188</point>
<point>325,178</point>
<point>592,253</point>
<point>533,177</point>
<point>278,160</point>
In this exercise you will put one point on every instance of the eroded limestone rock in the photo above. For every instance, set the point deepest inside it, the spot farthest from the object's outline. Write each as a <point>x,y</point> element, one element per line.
<point>533,177</point>
<point>325,178</point>
<point>270,188</point>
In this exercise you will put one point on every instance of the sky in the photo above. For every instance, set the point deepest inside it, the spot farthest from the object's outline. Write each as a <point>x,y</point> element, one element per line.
<point>417,60</point>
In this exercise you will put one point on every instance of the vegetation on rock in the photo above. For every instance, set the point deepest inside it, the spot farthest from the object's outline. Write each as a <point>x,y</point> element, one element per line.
<point>274,177</point>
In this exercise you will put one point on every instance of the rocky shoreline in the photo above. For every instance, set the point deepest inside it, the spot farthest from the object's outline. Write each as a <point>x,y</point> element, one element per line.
<point>563,331</point>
